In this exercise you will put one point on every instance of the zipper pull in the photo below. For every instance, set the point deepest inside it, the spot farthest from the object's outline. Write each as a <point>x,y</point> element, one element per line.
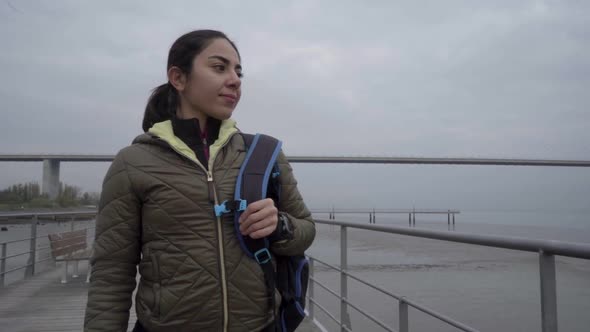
<point>211,187</point>
<point>206,149</point>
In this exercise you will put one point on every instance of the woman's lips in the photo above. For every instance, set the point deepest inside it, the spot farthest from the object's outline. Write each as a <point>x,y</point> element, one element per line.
<point>230,98</point>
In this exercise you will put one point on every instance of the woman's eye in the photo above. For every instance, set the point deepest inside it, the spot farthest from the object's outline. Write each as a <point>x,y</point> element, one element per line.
<point>219,67</point>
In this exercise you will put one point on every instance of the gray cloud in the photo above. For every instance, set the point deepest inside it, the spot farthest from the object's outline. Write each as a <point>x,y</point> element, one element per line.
<point>501,79</point>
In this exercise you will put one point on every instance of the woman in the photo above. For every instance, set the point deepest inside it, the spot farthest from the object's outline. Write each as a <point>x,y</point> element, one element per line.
<point>157,208</point>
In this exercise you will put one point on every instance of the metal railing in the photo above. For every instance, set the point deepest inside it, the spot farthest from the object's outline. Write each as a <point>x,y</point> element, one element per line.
<point>332,160</point>
<point>33,249</point>
<point>547,250</point>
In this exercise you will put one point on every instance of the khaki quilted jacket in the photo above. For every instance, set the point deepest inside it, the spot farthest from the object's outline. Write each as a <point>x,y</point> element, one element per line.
<point>157,214</point>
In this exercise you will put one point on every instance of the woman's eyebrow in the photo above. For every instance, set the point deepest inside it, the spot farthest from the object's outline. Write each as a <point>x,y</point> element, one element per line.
<point>224,60</point>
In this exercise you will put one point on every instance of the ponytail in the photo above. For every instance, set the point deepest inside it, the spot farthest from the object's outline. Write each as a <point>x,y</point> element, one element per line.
<point>161,106</point>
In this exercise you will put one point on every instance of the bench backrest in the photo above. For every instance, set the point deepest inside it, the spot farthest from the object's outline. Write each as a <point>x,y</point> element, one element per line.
<point>67,243</point>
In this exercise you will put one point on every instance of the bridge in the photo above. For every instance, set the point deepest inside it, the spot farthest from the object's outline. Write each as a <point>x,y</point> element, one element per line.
<point>51,163</point>
<point>546,250</point>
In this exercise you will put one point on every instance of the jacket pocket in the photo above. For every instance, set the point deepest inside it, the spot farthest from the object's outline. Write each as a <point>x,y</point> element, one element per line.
<point>156,287</point>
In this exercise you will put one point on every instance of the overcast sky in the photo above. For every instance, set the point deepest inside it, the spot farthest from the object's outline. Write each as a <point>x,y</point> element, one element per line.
<point>416,78</point>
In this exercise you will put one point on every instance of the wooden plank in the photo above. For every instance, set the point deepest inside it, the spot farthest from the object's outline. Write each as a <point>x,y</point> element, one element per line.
<point>68,250</point>
<point>43,304</point>
<point>68,243</point>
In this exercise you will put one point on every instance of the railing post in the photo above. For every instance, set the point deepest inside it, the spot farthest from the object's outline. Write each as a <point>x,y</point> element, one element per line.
<point>3,264</point>
<point>344,317</point>
<point>64,276</point>
<point>33,248</point>
<point>310,291</point>
<point>75,273</point>
<point>403,316</point>
<point>548,292</point>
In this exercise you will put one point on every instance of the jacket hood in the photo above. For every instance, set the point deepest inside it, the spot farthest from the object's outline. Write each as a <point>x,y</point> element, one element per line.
<point>163,132</point>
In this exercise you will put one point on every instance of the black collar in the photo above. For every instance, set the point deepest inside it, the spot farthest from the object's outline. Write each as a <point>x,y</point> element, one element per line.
<point>189,131</point>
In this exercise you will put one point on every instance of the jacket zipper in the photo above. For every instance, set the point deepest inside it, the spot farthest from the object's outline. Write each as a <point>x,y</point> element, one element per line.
<point>213,192</point>
<point>222,258</point>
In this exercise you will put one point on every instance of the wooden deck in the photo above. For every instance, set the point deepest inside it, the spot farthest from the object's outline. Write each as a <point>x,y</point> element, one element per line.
<point>43,304</point>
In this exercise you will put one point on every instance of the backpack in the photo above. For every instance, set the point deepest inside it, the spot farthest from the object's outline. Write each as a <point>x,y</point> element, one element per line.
<point>258,179</point>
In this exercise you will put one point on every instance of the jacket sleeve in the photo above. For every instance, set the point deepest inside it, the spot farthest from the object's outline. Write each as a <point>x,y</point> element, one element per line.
<point>116,252</point>
<point>291,203</point>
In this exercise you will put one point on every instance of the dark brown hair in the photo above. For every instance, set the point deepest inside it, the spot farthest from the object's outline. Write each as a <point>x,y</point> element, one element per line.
<point>163,101</point>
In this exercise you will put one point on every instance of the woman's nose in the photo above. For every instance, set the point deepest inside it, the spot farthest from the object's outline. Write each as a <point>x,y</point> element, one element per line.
<point>234,80</point>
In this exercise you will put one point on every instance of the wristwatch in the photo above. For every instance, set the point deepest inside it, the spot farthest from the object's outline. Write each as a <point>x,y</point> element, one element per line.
<point>284,229</point>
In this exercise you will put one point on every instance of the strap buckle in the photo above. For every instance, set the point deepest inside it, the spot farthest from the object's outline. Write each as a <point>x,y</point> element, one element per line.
<point>242,204</point>
<point>262,256</point>
<point>221,209</point>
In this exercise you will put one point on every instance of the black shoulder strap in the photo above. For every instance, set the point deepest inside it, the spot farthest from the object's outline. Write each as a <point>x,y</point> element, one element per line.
<point>251,186</point>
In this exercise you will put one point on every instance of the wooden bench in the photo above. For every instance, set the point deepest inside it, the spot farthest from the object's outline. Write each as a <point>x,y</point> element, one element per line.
<point>70,247</point>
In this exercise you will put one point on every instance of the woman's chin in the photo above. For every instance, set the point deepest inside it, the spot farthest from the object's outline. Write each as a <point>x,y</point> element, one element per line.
<point>222,114</point>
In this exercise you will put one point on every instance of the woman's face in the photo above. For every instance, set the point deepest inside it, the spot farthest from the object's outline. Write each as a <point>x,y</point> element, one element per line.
<point>214,84</point>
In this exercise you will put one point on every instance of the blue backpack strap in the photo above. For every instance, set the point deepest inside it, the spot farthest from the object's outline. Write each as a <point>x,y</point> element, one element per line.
<point>252,184</point>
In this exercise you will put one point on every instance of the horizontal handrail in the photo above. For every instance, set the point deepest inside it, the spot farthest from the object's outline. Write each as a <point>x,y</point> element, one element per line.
<point>377,288</point>
<point>331,159</point>
<point>326,288</point>
<point>440,316</point>
<point>369,316</point>
<point>438,161</point>
<point>560,248</point>
<point>46,259</point>
<point>15,241</point>
<point>411,303</point>
<point>81,229</point>
<point>47,214</point>
<point>44,236</point>
<point>23,253</point>
<point>326,311</point>
<point>15,269</point>
<point>15,255</point>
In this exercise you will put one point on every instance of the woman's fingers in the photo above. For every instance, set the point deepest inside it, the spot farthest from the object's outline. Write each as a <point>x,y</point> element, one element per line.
<point>260,217</point>
<point>269,221</point>
<point>253,208</point>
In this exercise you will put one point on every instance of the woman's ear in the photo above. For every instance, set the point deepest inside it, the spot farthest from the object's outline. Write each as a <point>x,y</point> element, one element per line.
<point>177,78</point>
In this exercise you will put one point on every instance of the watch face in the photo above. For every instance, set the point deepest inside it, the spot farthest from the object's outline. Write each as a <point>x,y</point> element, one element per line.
<point>286,223</point>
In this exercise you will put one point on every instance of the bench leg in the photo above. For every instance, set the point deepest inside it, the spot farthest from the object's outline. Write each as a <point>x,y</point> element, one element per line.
<point>88,272</point>
<point>64,277</point>
<point>75,275</point>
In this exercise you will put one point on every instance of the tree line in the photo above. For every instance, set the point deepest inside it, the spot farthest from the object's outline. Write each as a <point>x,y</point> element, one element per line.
<point>30,195</point>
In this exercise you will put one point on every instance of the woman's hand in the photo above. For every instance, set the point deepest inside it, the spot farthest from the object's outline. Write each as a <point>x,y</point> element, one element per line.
<point>260,219</point>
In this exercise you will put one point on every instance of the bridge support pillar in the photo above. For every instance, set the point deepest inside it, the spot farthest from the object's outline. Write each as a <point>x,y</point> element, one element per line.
<point>51,178</point>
